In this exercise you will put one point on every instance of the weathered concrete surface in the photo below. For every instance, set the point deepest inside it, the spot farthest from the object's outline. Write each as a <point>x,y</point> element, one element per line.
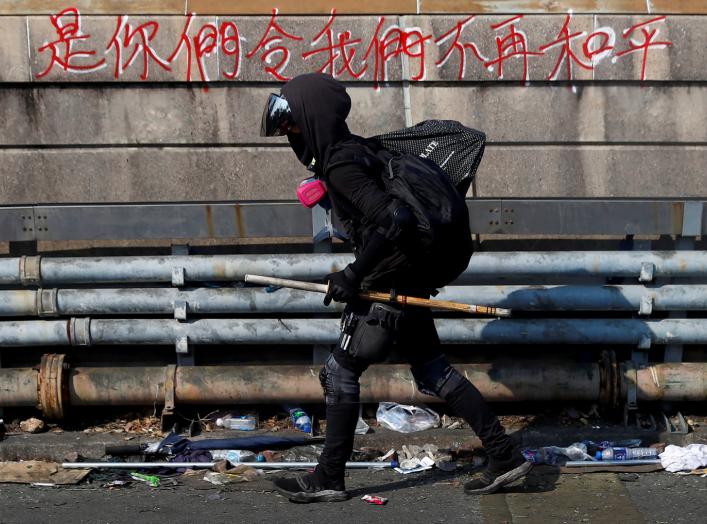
<point>682,60</point>
<point>50,7</point>
<point>173,59</point>
<point>233,173</point>
<point>289,7</point>
<point>14,66</point>
<point>148,174</point>
<point>352,6</point>
<point>445,63</point>
<point>227,114</point>
<point>589,113</point>
<point>576,6</point>
<point>305,47</point>
<point>592,171</point>
<point>172,114</point>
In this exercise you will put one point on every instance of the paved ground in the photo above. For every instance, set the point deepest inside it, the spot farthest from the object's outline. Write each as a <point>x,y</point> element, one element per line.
<point>545,497</point>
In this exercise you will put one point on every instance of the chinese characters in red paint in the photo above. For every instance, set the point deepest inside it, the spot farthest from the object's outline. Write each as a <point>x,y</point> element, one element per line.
<point>218,47</point>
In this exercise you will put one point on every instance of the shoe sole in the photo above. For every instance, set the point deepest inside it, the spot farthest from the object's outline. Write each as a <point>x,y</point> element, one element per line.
<point>327,495</point>
<point>506,478</point>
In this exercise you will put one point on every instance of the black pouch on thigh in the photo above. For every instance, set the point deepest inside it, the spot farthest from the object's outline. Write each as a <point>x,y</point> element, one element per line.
<point>375,333</point>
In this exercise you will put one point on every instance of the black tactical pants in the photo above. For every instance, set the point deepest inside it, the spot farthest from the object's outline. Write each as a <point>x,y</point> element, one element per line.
<point>418,340</point>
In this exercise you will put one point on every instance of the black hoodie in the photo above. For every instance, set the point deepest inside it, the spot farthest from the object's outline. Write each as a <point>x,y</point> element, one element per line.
<point>345,162</point>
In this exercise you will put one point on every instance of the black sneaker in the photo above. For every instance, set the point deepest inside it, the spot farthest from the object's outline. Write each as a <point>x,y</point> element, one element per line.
<point>498,473</point>
<point>308,488</point>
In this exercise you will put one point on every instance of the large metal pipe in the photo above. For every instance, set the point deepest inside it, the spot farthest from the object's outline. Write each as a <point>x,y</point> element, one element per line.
<point>687,381</point>
<point>498,382</point>
<point>86,331</point>
<point>494,265</point>
<point>19,387</point>
<point>207,301</point>
<point>503,382</point>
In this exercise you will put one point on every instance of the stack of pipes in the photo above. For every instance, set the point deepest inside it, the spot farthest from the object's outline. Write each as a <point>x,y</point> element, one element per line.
<point>571,281</point>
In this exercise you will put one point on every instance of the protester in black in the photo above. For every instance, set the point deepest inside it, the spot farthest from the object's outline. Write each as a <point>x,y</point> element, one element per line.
<point>312,111</point>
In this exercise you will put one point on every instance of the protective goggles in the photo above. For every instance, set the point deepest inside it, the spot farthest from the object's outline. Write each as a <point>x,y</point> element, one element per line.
<point>277,117</point>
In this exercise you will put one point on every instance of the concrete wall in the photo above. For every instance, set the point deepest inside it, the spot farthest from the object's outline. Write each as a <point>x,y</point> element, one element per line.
<point>108,113</point>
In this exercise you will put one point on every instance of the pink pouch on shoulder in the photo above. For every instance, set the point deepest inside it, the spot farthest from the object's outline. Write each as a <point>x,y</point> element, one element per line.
<point>311,191</point>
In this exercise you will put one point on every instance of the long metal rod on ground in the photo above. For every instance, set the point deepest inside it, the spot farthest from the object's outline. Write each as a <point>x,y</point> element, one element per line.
<point>377,296</point>
<point>483,265</point>
<point>229,300</point>
<point>208,465</point>
<point>520,380</point>
<point>592,463</point>
<point>305,331</point>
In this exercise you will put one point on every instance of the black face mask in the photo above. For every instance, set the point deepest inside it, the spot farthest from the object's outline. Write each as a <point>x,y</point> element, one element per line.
<point>319,106</point>
<point>299,146</point>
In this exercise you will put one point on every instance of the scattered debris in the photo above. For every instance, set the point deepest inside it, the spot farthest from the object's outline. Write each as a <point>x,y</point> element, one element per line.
<point>361,426</point>
<point>628,477</point>
<point>415,465</point>
<point>147,425</point>
<point>300,419</point>
<point>405,419</point>
<point>677,458</point>
<point>151,480</point>
<point>242,473</point>
<point>451,423</point>
<point>32,425</point>
<point>375,499</point>
<point>71,456</point>
<point>35,471</point>
<point>701,472</point>
<point>116,484</point>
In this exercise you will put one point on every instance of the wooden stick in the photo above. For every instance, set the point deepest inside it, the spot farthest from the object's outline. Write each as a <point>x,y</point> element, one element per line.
<point>377,296</point>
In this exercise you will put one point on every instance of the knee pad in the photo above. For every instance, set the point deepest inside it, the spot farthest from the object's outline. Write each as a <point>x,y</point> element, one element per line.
<point>340,384</point>
<point>437,377</point>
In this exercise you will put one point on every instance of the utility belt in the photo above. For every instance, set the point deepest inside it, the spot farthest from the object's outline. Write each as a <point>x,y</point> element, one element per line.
<point>369,335</point>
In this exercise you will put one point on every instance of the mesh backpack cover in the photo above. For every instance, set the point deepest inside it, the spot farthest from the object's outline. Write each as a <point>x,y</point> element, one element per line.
<point>455,148</point>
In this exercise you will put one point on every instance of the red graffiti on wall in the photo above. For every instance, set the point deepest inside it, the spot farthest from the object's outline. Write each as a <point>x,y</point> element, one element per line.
<point>341,53</point>
<point>646,44</point>
<point>265,46</point>
<point>514,44</point>
<point>567,54</point>
<point>459,46</point>
<point>340,47</point>
<point>140,39</point>
<point>68,28</point>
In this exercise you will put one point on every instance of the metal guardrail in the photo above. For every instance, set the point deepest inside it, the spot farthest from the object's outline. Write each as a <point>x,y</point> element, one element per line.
<point>569,217</point>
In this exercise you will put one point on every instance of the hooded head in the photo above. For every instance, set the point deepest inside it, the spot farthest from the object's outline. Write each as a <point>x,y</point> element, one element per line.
<point>319,106</point>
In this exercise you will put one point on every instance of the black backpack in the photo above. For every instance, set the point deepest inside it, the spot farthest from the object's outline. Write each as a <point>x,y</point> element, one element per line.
<point>455,148</point>
<point>430,167</point>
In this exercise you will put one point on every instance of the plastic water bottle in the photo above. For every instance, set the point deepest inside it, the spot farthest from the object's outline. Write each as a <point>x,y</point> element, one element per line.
<point>555,455</point>
<point>300,419</point>
<point>239,422</point>
<point>627,453</point>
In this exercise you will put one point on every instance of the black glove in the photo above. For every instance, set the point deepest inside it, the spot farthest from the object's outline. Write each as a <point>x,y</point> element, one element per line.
<point>343,286</point>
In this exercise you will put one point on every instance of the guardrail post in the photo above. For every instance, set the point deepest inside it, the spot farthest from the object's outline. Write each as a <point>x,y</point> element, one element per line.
<point>183,350</point>
<point>322,233</point>
<point>691,228</point>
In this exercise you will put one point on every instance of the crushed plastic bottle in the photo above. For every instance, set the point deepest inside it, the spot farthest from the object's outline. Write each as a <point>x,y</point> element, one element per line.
<point>300,419</point>
<point>619,453</point>
<point>593,447</point>
<point>234,456</point>
<point>239,422</point>
<point>555,455</point>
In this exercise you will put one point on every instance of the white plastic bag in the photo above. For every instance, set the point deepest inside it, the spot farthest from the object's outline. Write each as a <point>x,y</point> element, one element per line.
<point>405,419</point>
